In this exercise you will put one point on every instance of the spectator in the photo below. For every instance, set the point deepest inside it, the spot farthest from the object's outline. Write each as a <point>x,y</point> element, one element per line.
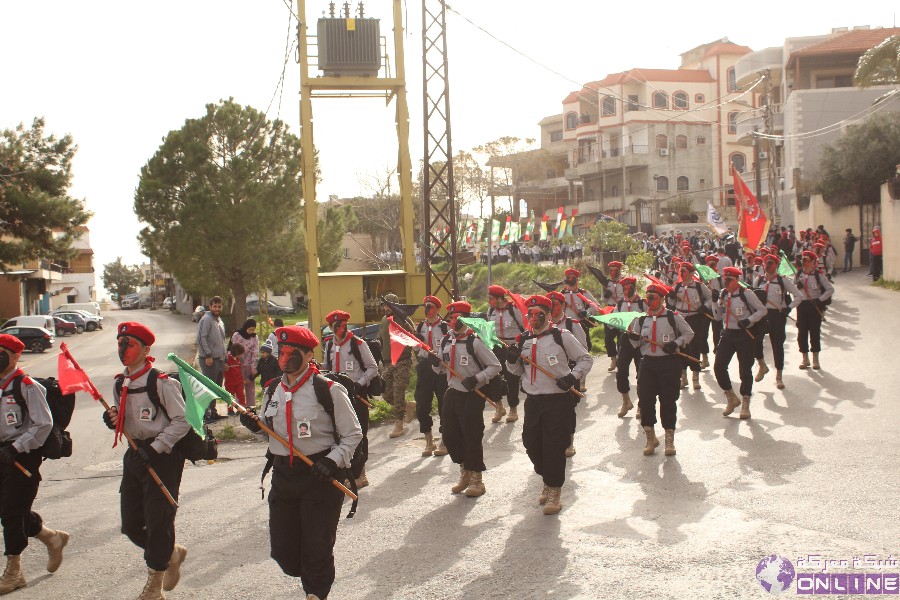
<point>267,366</point>
<point>234,379</point>
<point>875,260</point>
<point>849,246</point>
<point>272,340</point>
<point>246,337</point>
<point>211,347</point>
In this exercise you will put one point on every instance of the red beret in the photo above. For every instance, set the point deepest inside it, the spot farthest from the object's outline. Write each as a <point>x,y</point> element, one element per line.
<point>337,315</point>
<point>573,273</point>
<point>11,343</point>
<point>615,264</point>
<point>295,334</point>
<point>655,288</point>
<point>688,266</point>
<point>624,281</point>
<point>558,296</point>
<point>773,258</point>
<point>758,260</point>
<point>676,260</point>
<point>685,244</point>
<point>460,306</point>
<point>434,300</point>
<point>496,290</point>
<point>749,253</point>
<point>137,331</point>
<point>712,258</point>
<point>810,255</point>
<point>819,245</point>
<point>538,301</point>
<point>732,272</point>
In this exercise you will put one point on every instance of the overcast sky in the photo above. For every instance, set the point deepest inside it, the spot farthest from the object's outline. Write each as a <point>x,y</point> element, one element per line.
<point>119,76</point>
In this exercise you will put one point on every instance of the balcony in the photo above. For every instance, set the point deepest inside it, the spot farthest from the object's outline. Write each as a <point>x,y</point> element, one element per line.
<point>755,117</point>
<point>751,67</point>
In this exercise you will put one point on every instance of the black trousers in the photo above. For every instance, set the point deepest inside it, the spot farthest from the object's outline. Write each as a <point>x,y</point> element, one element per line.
<point>696,322</point>
<point>660,378</point>
<point>17,494</point>
<point>546,434</point>
<point>147,517</point>
<point>777,335</point>
<point>611,337</point>
<point>716,332</point>
<point>428,385</point>
<point>627,354</point>
<point>809,327</point>
<point>701,335</point>
<point>463,428</point>
<point>511,382</point>
<point>735,341</point>
<point>303,518</point>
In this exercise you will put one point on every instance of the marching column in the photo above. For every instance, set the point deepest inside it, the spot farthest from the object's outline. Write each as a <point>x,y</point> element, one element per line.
<point>815,291</point>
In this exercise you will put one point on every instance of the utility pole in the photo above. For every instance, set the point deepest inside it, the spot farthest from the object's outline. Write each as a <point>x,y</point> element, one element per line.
<point>774,213</point>
<point>490,244</point>
<point>756,166</point>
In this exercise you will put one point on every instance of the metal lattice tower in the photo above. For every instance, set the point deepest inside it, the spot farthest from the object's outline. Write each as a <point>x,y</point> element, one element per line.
<point>439,215</point>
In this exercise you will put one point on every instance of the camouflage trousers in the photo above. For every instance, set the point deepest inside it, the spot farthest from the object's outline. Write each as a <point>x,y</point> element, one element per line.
<point>396,380</point>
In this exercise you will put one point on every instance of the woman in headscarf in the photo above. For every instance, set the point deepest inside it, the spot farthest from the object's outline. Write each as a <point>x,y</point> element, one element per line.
<point>246,337</point>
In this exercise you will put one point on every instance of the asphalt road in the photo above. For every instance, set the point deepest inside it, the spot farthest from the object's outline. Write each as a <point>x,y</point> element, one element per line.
<point>813,473</point>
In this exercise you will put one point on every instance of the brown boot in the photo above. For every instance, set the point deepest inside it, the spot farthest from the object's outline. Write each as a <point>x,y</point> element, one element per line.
<point>637,413</point>
<point>499,413</point>
<point>463,482</point>
<point>410,412</point>
<point>815,363</point>
<point>695,380</point>
<point>362,481</point>
<point>733,402</point>
<point>153,587</point>
<point>441,450</point>
<point>626,405</point>
<point>705,363</point>
<point>670,442</point>
<point>778,382</point>
<point>398,429</point>
<point>513,415</point>
<point>570,451</point>
<point>612,364</point>
<point>804,364</point>
<point>745,407</point>
<point>652,442</point>
<point>55,542</point>
<point>763,369</point>
<point>542,499</point>
<point>476,486</point>
<point>173,573</point>
<point>13,578</point>
<point>684,381</point>
<point>429,445</point>
<point>554,502</point>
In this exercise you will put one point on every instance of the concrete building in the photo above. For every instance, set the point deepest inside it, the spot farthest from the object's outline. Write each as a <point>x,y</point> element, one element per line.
<point>79,279</point>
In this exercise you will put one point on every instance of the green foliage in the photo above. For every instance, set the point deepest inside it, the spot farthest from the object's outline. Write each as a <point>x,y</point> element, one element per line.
<point>381,411</point>
<point>879,65</point>
<point>853,169</point>
<point>226,434</point>
<point>598,340</point>
<point>638,263</point>
<point>612,236</point>
<point>120,279</point>
<point>35,175</point>
<point>887,284</point>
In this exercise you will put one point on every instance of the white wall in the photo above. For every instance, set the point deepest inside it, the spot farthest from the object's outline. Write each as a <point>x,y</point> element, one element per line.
<point>890,226</point>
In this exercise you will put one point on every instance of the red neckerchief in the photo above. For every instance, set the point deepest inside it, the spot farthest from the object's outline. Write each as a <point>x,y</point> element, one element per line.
<point>288,406</point>
<point>457,338</point>
<point>120,421</point>
<point>12,376</point>
<point>661,312</point>
<point>534,352</point>
<point>727,309</point>
<point>431,327</point>
<point>337,351</point>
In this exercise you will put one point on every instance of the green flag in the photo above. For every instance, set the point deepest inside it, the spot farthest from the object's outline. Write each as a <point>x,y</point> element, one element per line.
<point>199,390</point>
<point>706,273</point>
<point>785,268</point>
<point>619,320</point>
<point>495,230</point>
<point>483,329</point>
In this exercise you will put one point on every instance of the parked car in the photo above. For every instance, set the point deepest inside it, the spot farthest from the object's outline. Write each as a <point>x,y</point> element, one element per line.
<point>91,322</point>
<point>274,309</point>
<point>90,307</point>
<point>169,302</point>
<point>63,327</point>
<point>366,332</point>
<point>76,318</point>
<point>36,339</point>
<point>198,313</point>
<point>45,321</point>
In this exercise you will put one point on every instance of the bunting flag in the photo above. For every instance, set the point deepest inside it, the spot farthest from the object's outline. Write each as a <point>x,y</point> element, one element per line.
<point>504,239</point>
<point>529,228</point>
<point>619,320</point>
<point>544,226</point>
<point>495,230</point>
<point>480,232</point>
<point>715,219</point>
<point>559,216</point>
<point>706,273</point>
<point>785,267</point>
<point>486,330</point>
<point>561,228</point>
<point>754,224</point>
<point>571,224</point>
<point>71,379</point>
<point>400,339</point>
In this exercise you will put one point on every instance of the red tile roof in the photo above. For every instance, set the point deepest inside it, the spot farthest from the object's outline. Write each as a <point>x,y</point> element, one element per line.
<point>727,48</point>
<point>855,41</point>
<point>645,75</point>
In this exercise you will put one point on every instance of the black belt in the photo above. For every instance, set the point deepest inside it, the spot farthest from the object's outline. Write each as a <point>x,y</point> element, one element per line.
<point>286,460</point>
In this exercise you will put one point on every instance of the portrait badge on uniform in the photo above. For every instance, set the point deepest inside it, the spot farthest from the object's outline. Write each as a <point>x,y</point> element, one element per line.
<point>12,418</point>
<point>665,338</point>
<point>303,429</point>
<point>740,310</point>
<point>145,414</point>
<point>446,357</point>
<point>464,361</point>
<point>271,409</point>
<point>552,360</point>
<point>348,366</point>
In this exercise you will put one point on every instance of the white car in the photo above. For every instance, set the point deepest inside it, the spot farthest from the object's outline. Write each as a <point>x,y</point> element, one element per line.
<point>92,321</point>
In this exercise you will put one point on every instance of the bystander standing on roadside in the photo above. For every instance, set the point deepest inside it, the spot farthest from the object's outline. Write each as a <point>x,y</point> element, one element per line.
<point>875,260</point>
<point>211,347</point>
<point>849,246</point>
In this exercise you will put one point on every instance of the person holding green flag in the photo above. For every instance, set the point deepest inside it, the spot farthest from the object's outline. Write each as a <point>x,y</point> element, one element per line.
<point>777,289</point>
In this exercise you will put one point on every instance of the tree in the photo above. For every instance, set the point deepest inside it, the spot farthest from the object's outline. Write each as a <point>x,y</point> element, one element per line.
<point>38,219</point>
<point>612,236</point>
<point>222,202</point>
<point>502,176</point>
<point>879,65</point>
<point>120,279</point>
<point>853,169</point>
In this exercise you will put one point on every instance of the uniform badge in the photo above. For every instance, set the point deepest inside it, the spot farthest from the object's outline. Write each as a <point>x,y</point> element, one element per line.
<point>446,357</point>
<point>12,418</point>
<point>463,361</point>
<point>284,336</point>
<point>348,366</point>
<point>665,338</point>
<point>145,414</point>
<point>740,310</point>
<point>303,429</point>
<point>552,360</point>
<point>271,409</point>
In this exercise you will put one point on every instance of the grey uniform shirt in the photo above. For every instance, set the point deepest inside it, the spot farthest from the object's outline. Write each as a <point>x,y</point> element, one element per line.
<point>144,421</point>
<point>544,351</point>
<point>363,373</point>
<point>775,292</point>
<point>431,334</point>
<point>312,428</point>
<point>454,352</point>
<point>812,287</point>
<point>27,429</point>
<point>635,304</point>
<point>507,322</point>
<point>574,304</point>
<point>689,298</point>
<point>577,330</point>
<point>733,308</point>
<point>681,334</point>
<point>211,337</point>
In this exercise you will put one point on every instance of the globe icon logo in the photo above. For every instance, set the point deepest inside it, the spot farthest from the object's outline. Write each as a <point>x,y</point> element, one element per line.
<point>775,574</point>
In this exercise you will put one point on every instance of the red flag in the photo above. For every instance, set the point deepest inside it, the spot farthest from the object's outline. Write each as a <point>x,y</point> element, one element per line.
<point>71,378</point>
<point>754,224</point>
<point>519,302</point>
<point>400,339</point>
<point>658,282</point>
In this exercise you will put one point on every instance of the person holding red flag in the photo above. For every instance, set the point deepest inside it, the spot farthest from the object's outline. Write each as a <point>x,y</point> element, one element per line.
<point>24,429</point>
<point>431,330</point>
<point>508,326</point>
<point>396,371</point>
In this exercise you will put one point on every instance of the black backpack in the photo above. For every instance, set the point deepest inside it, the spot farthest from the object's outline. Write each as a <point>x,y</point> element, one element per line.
<point>785,297</point>
<point>761,327</point>
<point>192,447</point>
<point>494,388</point>
<point>376,386</point>
<point>58,443</point>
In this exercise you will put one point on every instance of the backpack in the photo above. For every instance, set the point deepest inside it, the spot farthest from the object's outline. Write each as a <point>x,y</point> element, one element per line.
<point>818,281</point>
<point>493,389</point>
<point>376,386</point>
<point>58,443</point>
<point>761,327</point>
<point>786,298</point>
<point>192,447</point>
<point>322,383</point>
<point>510,307</point>
<point>670,317</point>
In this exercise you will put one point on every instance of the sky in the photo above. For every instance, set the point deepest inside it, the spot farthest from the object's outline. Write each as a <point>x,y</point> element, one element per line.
<point>118,76</point>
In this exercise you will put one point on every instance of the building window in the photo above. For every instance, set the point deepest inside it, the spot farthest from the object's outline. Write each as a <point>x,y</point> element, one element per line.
<point>633,103</point>
<point>609,106</point>
<point>662,142</point>
<point>680,101</point>
<point>556,136</point>
<point>732,80</point>
<point>571,120</point>
<point>681,184</point>
<point>739,161</point>
<point>662,184</point>
<point>699,98</point>
<point>660,100</point>
<point>681,142</point>
<point>833,81</point>
<point>701,141</point>
<point>732,122</point>
<point>615,191</point>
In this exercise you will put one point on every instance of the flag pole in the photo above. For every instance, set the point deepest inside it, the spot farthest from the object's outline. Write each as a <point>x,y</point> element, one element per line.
<point>99,397</point>
<point>229,399</point>
<point>541,369</point>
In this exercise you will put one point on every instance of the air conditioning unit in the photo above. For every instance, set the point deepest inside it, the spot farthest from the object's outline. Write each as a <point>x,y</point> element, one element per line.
<point>663,151</point>
<point>763,155</point>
